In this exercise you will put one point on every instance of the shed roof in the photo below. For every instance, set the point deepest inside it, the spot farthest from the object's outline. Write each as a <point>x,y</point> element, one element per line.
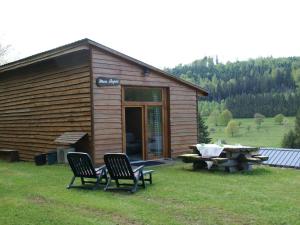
<point>282,157</point>
<point>70,137</point>
<point>85,44</point>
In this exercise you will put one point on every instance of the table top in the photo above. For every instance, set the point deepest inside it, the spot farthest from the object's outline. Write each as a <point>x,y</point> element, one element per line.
<point>232,148</point>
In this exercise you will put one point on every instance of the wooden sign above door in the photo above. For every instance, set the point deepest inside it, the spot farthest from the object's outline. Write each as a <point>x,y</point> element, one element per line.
<point>104,81</point>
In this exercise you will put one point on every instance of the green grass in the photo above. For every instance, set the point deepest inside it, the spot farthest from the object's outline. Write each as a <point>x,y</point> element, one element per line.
<point>269,135</point>
<point>37,195</point>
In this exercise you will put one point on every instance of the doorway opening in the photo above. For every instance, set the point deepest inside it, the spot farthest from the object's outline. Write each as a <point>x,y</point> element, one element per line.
<point>134,133</point>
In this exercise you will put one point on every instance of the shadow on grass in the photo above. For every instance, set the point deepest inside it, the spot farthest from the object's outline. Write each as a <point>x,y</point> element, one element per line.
<point>257,171</point>
<point>121,191</point>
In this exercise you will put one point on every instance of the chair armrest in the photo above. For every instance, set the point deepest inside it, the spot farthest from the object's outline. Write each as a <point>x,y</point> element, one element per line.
<point>138,168</point>
<point>100,168</point>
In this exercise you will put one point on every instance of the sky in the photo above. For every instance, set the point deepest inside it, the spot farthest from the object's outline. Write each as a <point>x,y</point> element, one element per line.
<point>161,33</point>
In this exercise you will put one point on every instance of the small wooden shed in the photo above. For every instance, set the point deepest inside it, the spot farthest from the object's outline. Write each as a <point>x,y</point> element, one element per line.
<point>123,104</point>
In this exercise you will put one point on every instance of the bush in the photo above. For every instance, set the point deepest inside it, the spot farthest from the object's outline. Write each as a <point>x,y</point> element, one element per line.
<point>248,128</point>
<point>225,117</point>
<point>213,117</point>
<point>279,119</point>
<point>212,130</point>
<point>232,128</point>
<point>292,138</point>
<point>203,135</point>
<point>289,140</point>
<point>259,119</point>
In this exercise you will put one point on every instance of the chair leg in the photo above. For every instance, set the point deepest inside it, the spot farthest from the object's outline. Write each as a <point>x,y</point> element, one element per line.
<point>143,180</point>
<point>108,183</point>
<point>117,183</point>
<point>150,178</point>
<point>82,181</point>
<point>103,175</point>
<point>71,183</point>
<point>106,178</point>
<point>97,183</point>
<point>134,186</point>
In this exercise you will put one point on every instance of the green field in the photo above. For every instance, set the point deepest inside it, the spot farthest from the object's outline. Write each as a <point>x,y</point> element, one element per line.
<point>32,195</point>
<point>269,135</point>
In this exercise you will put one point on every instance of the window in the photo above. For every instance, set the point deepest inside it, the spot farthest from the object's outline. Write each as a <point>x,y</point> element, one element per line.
<point>143,94</point>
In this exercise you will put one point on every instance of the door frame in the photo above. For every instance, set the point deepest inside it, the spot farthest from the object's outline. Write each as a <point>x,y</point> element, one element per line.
<point>165,120</point>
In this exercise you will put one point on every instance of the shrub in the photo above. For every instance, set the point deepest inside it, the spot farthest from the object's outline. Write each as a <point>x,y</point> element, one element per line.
<point>232,128</point>
<point>289,140</point>
<point>212,130</point>
<point>225,117</point>
<point>203,135</point>
<point>292,138</point>
<point>248,128</point>
<point>213,117</point>
<point>279,119</point>
<point>259,119</point>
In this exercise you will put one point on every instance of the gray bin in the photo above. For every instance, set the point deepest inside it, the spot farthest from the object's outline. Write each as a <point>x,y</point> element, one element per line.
<point>62,154</point>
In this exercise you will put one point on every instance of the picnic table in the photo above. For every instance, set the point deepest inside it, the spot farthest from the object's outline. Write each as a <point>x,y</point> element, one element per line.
<point>229,158</point>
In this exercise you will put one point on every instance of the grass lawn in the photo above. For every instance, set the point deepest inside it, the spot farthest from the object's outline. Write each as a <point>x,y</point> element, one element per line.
<point>37,195</point>
<point>269,135</point>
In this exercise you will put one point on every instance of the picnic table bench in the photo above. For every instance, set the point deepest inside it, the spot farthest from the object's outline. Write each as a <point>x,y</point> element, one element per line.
<point>231,159</point>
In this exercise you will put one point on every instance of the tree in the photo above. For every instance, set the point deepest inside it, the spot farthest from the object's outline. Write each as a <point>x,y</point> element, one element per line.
<point>259,119</point>
<point>248,128</point>
<point>3,52</point>
<point>203,134</point>
<point>232,128</point>
<point>225,117</point>
<point>289,140</point>
<point>213,117</point>
<point>292,138</point>
<point>297,130</point>
<point>279,119</point>
<point>265,85</point>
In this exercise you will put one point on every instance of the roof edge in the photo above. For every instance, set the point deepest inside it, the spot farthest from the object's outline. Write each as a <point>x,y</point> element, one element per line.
<point>61,50</point>
<point>79,45</point>
<point>129,58</point>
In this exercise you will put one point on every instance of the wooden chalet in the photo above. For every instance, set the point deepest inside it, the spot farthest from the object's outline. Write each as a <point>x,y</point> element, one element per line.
<point>124,105</point>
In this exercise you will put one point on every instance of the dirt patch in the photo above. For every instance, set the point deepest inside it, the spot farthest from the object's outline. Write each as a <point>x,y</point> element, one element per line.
<point>116,217</point>
<point>38,199</point>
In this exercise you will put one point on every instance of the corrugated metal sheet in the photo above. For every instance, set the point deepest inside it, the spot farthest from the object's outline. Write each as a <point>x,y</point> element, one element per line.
<point>283,157</point>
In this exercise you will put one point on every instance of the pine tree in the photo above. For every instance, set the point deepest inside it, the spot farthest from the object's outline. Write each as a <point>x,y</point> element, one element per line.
<point>292,139</point>
<point>297,130</point>
<point>289,140</point>
<point>203,134</point>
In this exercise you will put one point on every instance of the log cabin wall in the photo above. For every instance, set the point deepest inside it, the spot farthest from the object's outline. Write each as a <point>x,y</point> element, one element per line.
<point>41,101</point>
<point>107,108</point>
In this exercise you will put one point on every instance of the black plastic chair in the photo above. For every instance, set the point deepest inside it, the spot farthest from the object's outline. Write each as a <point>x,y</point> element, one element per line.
<point>119,168</point>
<point>82,166</point>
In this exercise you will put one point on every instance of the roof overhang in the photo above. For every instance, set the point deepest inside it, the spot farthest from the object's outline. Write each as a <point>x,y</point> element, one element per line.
<point>85,44</point>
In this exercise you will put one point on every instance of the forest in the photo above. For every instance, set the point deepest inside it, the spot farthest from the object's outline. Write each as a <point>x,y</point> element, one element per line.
<point>264,85</point>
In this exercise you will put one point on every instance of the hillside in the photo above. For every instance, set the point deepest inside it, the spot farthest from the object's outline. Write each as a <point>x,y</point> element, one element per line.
<point>265,85</point>
<point>269,135</point>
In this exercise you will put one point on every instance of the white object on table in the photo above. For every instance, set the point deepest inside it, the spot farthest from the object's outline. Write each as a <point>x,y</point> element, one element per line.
<point>209,150</point>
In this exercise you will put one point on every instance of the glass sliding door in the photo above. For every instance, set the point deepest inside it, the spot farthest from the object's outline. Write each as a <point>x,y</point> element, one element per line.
<point>145,122</point>
<point>154,132</point>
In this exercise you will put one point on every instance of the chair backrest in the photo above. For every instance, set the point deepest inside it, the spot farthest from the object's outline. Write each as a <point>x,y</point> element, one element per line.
<point>118,166</point>
<point>81,164</point>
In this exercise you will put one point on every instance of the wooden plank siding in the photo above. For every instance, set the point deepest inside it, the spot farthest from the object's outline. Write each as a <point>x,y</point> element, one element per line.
<point>40,102</point>
<point>107,108</point>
